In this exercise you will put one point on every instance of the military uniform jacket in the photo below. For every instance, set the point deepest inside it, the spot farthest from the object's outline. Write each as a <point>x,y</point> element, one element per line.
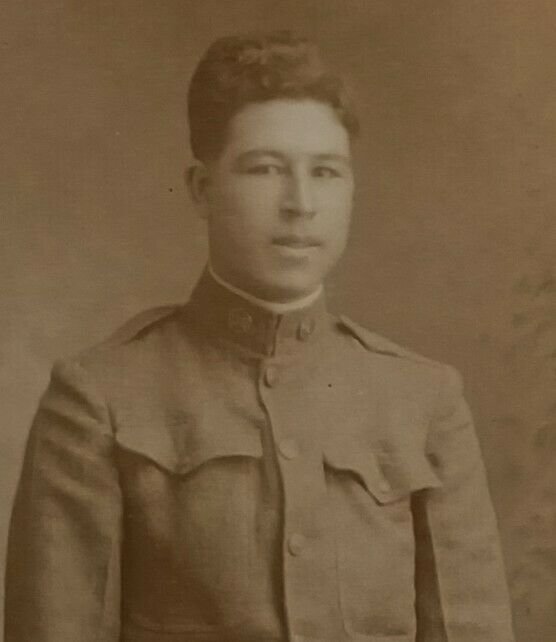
<point>220,473</point>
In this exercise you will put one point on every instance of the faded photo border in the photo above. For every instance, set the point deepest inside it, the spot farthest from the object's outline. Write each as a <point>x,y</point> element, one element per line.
<point>453,243</point>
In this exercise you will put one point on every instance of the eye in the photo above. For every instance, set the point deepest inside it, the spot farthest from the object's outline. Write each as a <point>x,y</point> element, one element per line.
<point>325,171</point>
<point>263,169</point>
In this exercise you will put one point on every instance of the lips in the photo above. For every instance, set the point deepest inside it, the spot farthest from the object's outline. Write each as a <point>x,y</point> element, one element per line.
<point>296,241</point>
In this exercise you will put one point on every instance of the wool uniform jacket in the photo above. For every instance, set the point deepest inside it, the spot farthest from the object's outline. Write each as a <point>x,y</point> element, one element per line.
<point>217,472</point>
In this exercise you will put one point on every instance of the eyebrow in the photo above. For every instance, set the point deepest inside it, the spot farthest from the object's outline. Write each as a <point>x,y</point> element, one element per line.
<point>321,157</point>
<point>253,153</point>
<point>342,158</point>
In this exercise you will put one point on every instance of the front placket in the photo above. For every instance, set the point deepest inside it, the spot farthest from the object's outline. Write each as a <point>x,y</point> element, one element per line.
<point>308,552</point>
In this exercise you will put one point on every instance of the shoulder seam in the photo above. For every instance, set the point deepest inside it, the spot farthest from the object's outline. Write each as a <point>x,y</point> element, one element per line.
<point>130,330</point>
<point>143,321</point>
<point>376,343</point>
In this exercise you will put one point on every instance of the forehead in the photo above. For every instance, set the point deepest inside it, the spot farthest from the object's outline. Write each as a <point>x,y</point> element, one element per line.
<point>289,127</point>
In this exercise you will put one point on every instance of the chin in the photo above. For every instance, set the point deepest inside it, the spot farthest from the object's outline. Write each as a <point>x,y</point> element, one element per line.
<point>283,290</point>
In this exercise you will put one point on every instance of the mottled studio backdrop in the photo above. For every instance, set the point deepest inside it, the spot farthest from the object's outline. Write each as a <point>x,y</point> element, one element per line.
<point>454,241</point>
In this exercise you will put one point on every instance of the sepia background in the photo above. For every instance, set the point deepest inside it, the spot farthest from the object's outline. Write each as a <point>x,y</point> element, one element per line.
<point>454,239</point>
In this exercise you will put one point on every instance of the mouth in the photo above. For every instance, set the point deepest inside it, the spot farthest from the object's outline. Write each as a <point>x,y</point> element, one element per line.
<point>296,242</point>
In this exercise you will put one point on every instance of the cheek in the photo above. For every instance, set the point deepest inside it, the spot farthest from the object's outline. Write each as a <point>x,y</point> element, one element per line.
<point>252,201</point>
<point>237,224</point>
<point>336,212</point>
<point>335,195</point>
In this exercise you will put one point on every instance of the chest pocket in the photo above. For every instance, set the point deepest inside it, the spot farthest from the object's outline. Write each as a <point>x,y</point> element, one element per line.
<point>370,498</point>
<point>189,491</point>
<point>386,477</point>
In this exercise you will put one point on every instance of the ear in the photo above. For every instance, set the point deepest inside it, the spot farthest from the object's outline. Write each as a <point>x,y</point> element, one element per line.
<point>197,179</point>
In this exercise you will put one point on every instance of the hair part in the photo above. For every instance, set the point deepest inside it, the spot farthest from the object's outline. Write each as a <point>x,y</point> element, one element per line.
<point>240,70</point>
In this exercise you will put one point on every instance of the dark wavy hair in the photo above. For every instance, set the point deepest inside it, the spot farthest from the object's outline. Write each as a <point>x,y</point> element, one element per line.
<point>239,70</point>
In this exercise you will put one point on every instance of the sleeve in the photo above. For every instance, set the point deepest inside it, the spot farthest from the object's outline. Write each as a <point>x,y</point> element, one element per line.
<point>461,591</point>
<point>62,571</point>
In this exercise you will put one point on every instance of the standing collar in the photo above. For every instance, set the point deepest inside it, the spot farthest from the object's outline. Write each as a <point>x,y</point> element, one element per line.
<point>272,306</point>
<point>228,316</point>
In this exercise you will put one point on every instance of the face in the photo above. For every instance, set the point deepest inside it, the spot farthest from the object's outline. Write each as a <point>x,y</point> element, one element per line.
<point>278,199</point>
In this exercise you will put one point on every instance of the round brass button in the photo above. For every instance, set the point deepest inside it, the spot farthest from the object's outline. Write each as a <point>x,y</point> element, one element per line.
<point>305,329</point>
<point>289,448</point>
<point>271,376</point>
<point>240,321</point>
<point>296,543</point>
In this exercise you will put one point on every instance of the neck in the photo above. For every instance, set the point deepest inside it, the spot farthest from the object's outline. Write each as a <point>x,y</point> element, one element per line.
<point>238,319</point>
<point>278,307</point>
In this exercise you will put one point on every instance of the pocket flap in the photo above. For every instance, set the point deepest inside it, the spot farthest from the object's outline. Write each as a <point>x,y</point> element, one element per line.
<point>387,477</point>
<point>183,444</point>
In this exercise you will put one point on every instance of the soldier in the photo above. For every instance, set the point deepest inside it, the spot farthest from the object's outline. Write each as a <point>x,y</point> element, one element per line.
<point>247,467</point>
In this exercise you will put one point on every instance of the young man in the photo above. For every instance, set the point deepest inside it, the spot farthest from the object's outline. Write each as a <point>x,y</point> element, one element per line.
<point>247,467</point>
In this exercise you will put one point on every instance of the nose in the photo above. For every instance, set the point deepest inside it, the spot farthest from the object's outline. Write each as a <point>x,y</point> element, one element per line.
<point>299,197</point>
